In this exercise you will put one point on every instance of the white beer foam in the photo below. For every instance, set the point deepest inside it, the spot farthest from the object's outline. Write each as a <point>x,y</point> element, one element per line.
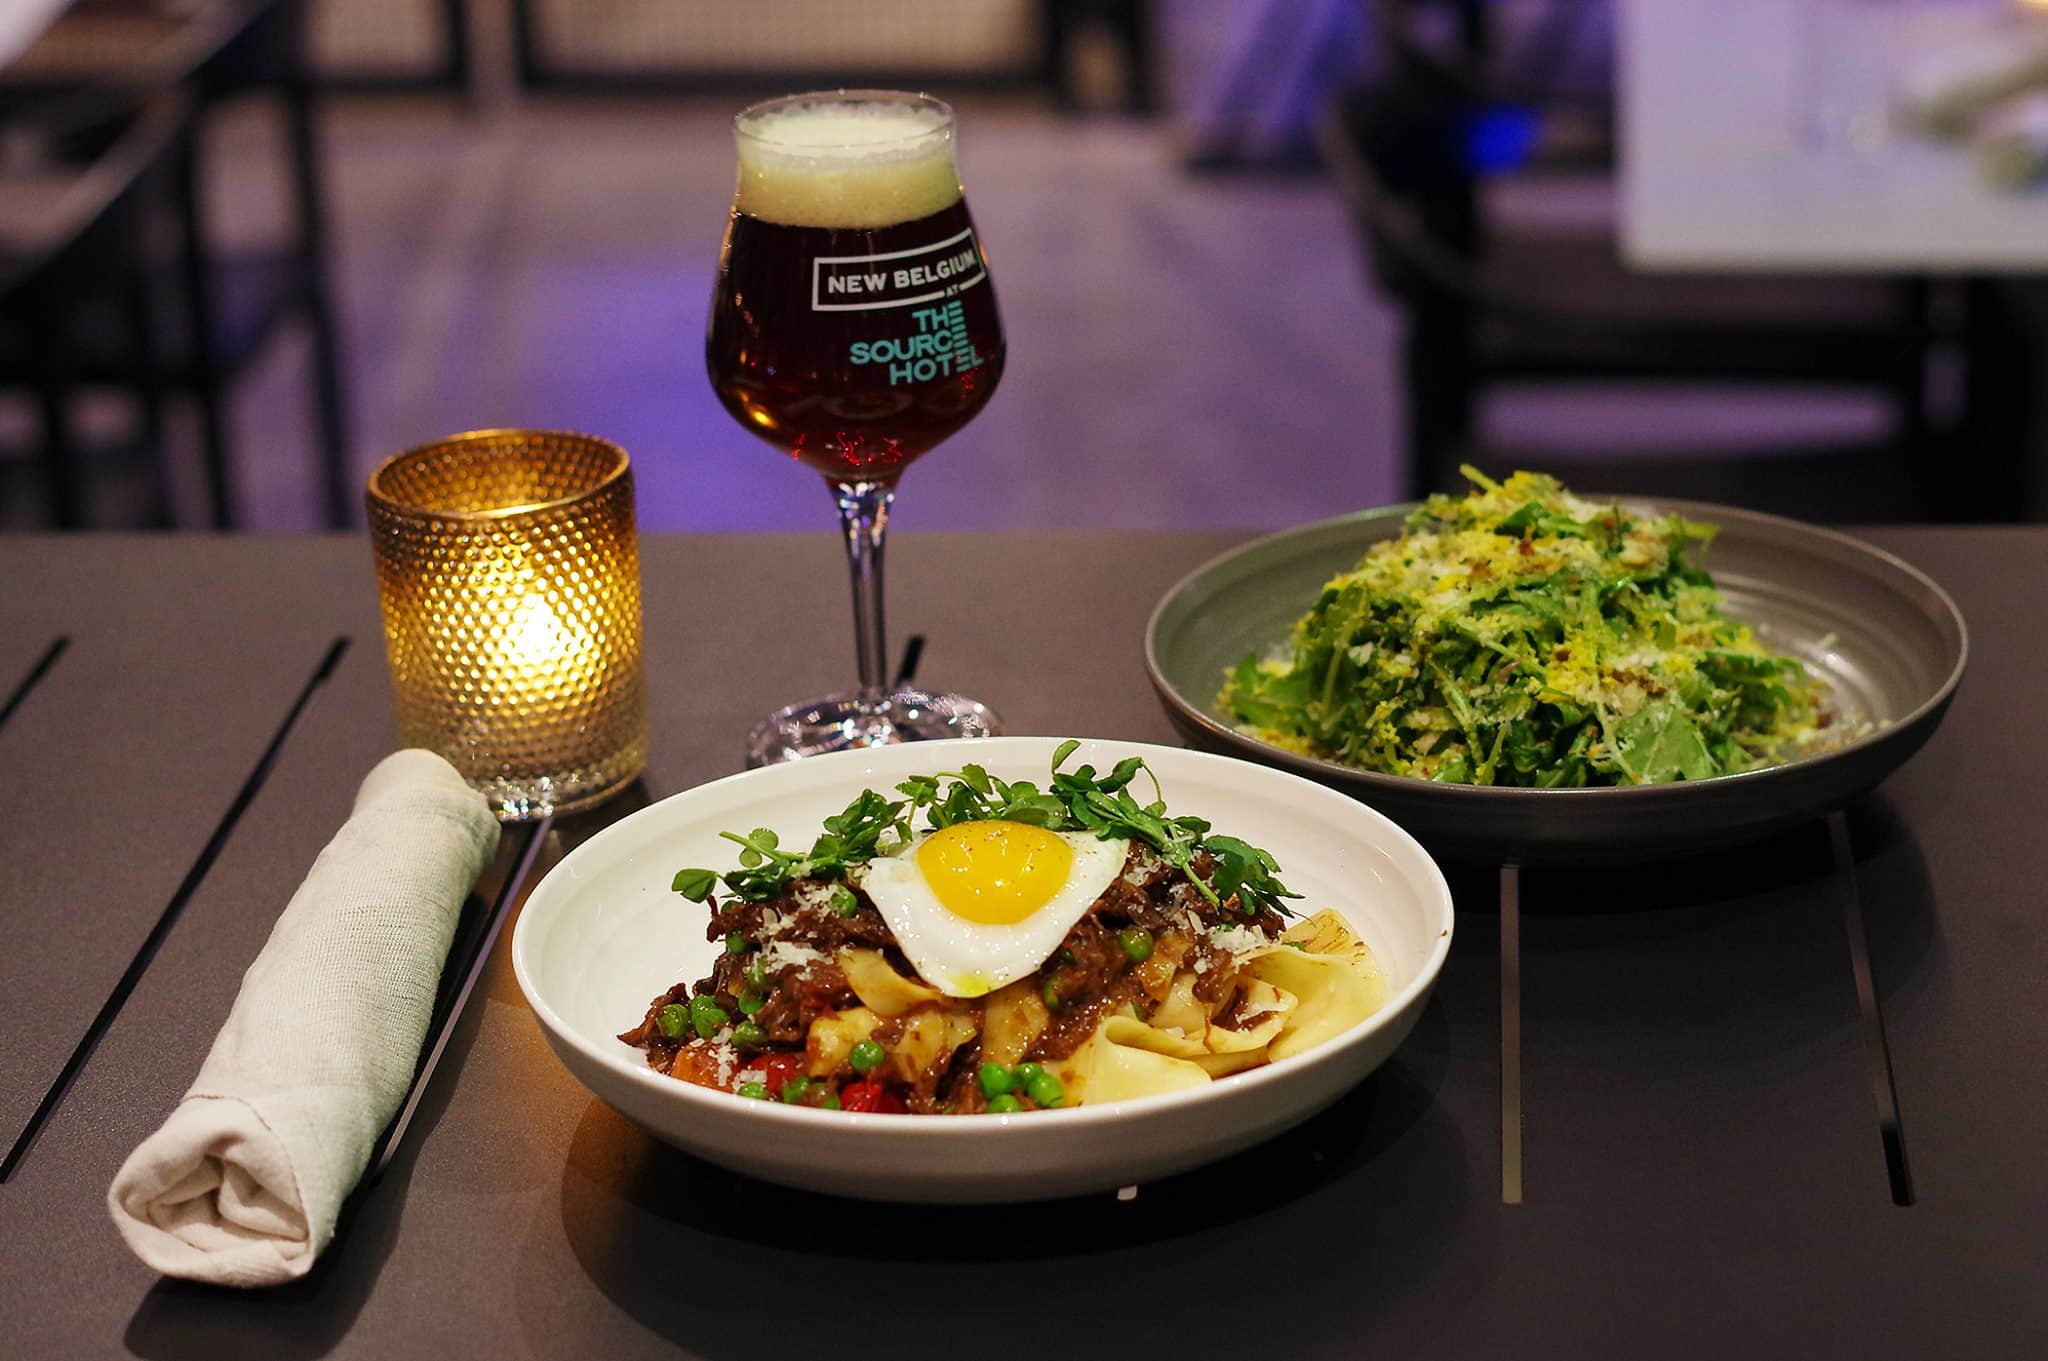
<point>846,163</point>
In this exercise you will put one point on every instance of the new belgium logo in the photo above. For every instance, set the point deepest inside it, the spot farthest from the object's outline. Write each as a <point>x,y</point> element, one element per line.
<point>900,278</point>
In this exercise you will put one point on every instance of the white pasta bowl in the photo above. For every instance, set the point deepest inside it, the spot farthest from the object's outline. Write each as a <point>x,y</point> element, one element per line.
<point>603,934</point>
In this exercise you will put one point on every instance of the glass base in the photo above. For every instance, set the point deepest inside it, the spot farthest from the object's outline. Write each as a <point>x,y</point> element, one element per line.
<point>531,798</point>
<point>845,722</point>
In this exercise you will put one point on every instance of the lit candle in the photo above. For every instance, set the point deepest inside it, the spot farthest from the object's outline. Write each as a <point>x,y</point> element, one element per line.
<point>509,578</point>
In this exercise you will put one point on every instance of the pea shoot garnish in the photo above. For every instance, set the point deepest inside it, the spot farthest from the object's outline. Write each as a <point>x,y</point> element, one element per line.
<point>1076,800</point>
<point>851,837</point>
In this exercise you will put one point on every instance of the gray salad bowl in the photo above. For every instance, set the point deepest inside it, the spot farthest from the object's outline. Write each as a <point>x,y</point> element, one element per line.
<point>1887,640</point>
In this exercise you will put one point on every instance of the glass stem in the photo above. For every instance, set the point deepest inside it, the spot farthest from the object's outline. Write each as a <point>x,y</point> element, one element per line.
<point>864,517</point>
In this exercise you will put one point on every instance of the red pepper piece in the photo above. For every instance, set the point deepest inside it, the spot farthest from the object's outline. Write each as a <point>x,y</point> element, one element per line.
<point>870,1096</point>
<point>777,1069</point>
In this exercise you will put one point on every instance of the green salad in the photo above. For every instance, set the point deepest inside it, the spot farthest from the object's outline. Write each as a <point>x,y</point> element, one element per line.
<point>1521,635</point>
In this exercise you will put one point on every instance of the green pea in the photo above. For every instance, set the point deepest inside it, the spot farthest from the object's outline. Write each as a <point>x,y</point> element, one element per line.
<point>1004,1105</point>
<point>1022,1075</point>
<point>673,1020</point>
<point>753,1091</point>
<point>735,943</point>
<point>1045,1089</point>
<point>1137,943</point>
<point>866,1056</point>
<point>794,1089</point>
<point>751,1002</point>
<point>843,901</point>
<point>757,972</point>
<point>748,1034</point>
<point>706,1016</point>
<point>994,1079</point>
<point>1050,994</point>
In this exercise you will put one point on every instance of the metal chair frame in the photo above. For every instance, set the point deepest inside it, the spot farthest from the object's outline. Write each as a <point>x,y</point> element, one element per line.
<point>233,48</point>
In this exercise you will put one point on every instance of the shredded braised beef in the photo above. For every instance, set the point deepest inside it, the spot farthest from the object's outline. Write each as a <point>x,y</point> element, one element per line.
<point>780,957</point>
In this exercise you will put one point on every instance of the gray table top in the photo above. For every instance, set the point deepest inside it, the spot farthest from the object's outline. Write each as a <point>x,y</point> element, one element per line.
<point>1703,1168</point>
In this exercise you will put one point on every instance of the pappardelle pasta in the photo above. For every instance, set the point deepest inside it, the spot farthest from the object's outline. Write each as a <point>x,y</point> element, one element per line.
<point>980,946</point>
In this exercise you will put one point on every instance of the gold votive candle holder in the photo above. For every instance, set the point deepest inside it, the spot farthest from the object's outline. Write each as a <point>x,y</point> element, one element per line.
<point>509,576</point>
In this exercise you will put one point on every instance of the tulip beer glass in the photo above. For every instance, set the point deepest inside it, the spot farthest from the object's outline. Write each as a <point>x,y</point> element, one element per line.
<point>854,327</point>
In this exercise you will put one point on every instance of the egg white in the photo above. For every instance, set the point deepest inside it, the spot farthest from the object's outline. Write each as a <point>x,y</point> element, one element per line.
<point>966,959</point>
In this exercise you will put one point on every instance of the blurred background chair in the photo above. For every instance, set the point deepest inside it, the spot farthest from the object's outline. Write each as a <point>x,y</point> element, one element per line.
<point>1060,46</point>
<point>235,303</point>
<point>1545,67</point>
<point>1127,24</point>
<point>88,197</point>
<point>1490,301</point>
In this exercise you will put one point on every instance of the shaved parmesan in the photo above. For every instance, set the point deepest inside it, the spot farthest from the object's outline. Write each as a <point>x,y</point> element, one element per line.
<point>788,954</point>
<point>1238,940</point>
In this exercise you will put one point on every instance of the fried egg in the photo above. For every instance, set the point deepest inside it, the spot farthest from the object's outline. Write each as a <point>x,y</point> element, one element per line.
<point>978,904</point>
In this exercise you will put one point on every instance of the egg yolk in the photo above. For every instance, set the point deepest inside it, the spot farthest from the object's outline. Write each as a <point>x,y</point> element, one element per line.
<point>994,873</point>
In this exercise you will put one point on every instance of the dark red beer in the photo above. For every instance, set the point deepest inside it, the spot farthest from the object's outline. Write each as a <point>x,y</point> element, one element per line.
<point>854,349</point>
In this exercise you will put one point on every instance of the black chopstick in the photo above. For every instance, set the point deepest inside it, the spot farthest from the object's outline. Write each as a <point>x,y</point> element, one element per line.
<point>913,650</point>
<point>501,908</point>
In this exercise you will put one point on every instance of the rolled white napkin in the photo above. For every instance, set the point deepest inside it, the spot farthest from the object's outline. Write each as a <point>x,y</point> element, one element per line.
<point>241,1186</point>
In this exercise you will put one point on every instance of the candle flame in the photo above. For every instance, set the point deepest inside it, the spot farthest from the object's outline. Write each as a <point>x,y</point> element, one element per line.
<point>537,638</point>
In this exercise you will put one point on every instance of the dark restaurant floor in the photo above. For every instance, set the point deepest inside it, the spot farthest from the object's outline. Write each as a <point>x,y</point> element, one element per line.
<point>1189,351</point>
